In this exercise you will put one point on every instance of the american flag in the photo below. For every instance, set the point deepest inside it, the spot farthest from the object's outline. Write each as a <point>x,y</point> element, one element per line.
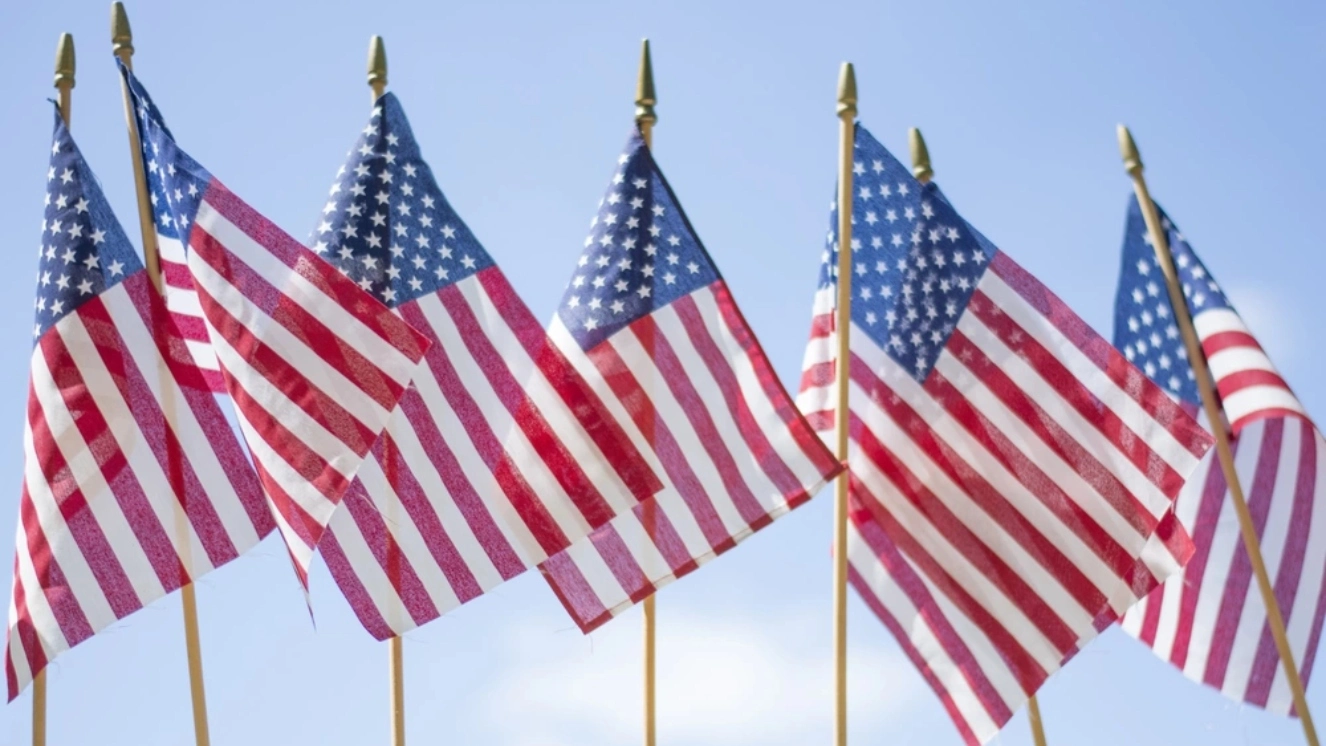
<point>1012,476</point>
<point>500,455</point>
<point>313,364</point>
<point>133,482</point>
<point>1210,621</point>
<point>648,320</point>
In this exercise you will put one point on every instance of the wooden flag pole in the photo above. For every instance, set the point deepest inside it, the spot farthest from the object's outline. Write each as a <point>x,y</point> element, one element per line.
<point>924,172</point>
<point>122,46</point>
<point>1132,163</point>
<point>64,83</point>
<point>377,83</point>
<point>645,117</point>
<point>846,146</point>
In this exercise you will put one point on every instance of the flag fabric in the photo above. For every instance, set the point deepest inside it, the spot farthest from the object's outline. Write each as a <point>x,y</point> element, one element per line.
<point>1012,476</point>
<point>313,364</point>
<point>133,482</point>
<point>649,321</point>
<point>1210,621</point>
<point>499,455</point>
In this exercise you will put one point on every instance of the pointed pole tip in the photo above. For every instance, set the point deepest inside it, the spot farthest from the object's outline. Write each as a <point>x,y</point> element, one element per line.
<point>64,62</point>
<point>1132,159</point>
<point>377,65</point>
<point>847,90</point>
<point>921,167</point>
<point>122,36</point>
<point>645,97</point>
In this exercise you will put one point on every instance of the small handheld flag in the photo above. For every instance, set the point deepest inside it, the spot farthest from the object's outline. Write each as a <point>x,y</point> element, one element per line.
<point>133,483</point>
<point>649,321</point>
<point>1012,476</point>
<point>313,364</point>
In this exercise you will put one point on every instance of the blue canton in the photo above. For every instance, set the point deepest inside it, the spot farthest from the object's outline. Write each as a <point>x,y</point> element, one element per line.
<point>641,253</point>
<point>84,251</point>
<point>915,261</point>
<point>386,224</point>
<point>175,181</point>
<point>1144,325</point>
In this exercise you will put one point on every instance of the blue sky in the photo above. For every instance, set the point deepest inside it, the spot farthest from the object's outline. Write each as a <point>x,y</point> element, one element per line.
<point>521,108</point>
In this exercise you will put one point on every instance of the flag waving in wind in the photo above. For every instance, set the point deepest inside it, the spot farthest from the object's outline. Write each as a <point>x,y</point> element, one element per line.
<point>500,455</point>
<point>313,364</point>
<point>133,482</point>
<point>1210,621</point>
<point>1012,476</point>
<point>648,320</point>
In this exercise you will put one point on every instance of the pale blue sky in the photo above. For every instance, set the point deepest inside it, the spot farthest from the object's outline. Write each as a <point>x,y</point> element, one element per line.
<point>521,108</point>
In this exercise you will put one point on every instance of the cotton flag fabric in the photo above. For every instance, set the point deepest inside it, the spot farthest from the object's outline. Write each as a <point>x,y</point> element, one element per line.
<point>1210,621</point>
<point>500,455</point>
<point>648,320</point>
<point>1012,475</point>
<point>313,364</point>
<point>133,482</point>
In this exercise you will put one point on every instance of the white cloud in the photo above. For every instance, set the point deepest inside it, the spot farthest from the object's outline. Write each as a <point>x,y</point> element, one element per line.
<point>720,680</point>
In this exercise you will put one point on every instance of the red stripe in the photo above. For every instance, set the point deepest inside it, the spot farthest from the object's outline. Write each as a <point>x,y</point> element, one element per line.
<point>460,396</point>
<point>822,421</point>
<point>1247,378</point>
<point>1205,524</point>
<point>1221,341</point>
<point>637,402</point>
<point>229,452</point>
<point>368,311</point>
<point>1021,664</point>
<point>287,376</point>
<point>28,639</point>
<point>51,580</point>
<point>825,463</point>
<point>658,526</point>
<point>575,593</point>
<point>901,573</point>
<point>1235,595</point>
<point>656,345</point>
<point>103,447</point>
<point>1094,412</point>
<point>349,583</point>
<point>622,562</point>
<point>987,560</point>
<point>437,451</point>
<point>176,276</point>
<point>1155,603</point>
<point>1264,413</point>
<point>1314,635</point>
<point>1153,400</point>
<point>1290,571</point>
<point>602,428</point>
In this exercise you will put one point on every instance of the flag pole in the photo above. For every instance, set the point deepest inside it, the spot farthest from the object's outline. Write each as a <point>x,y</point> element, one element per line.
<point>846,145</point>
<point>64,83</point>
<point>1132,162</point>
<point>924,171</point>
<point>122,46</point>
<point>377,83</point>
<point>645,117</point>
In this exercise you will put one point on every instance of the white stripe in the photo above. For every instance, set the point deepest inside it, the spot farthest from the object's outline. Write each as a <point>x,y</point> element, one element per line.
<point>202,353</point>
<point>367,570</point>
<point>171,250</point>
<point>1247,401</point>
<point>320,374</point>
<point>348,327</point>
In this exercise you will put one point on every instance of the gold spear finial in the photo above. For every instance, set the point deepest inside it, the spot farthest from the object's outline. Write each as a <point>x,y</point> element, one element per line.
<point>847,90</point>
<point>921,168</point>
<point>1132,160</point>
<point>377,66</point>
<point>122,37</point>
<point>645,98</point>
<point>64,73</point>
